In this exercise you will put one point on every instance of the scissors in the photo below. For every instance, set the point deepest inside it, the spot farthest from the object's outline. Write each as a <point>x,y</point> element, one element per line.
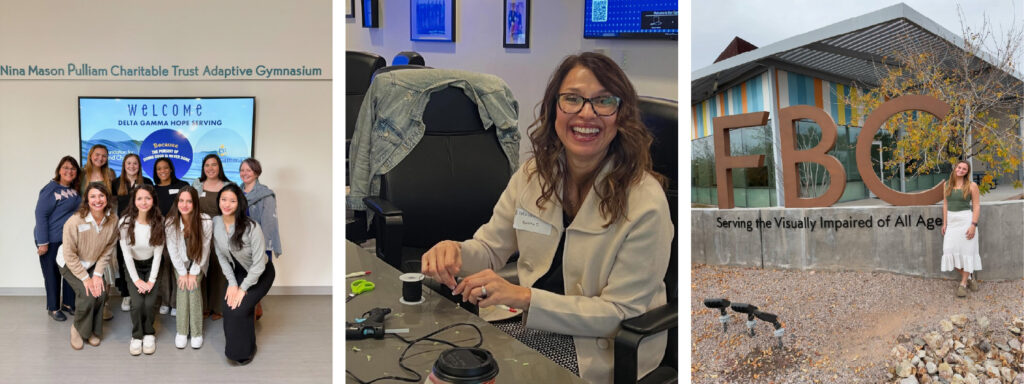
<point>359,287</point>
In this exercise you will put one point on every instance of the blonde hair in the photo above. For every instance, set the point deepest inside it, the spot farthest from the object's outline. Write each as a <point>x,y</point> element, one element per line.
<point>951,183</point>
<point>88,169</point>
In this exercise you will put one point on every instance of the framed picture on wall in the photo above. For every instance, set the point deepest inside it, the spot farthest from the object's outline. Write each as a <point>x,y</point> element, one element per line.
<point>516,31</point>
<point>432,20</point>
<point>371,13</point>
<point>350,9</point>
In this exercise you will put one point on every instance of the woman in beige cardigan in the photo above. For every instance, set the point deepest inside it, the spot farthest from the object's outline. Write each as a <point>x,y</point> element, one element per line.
<point>89,238</point>
<point>590,220</point>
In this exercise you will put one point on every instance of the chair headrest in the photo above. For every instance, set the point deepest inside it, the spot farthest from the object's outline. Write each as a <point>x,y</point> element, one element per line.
<point>359,69</point>
<point>408,57</point>
<point>661,116</point>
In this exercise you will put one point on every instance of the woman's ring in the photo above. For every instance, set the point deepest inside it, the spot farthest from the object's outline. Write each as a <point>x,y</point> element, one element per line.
<point>483,291</point>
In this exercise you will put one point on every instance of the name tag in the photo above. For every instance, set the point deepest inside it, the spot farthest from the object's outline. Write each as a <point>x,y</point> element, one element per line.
<point>172,191</point>
<point>202,194</point>
<point>84,227</point>
<point>528,222</point>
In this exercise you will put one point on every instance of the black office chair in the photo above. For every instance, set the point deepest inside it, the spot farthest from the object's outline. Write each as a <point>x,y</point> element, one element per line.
<point>359,70</point>
<point>661,117</point>
<point>445,188</point>
<point>399,67</point>
<point>408,57</point>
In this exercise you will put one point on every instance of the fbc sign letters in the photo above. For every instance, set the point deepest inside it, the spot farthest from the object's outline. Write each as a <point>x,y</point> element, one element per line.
<point>725,163</point>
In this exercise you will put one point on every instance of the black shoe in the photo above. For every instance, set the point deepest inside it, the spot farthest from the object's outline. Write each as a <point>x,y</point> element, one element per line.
<point>57,315</point>
<point>69,310</point>
<point>249,360</point>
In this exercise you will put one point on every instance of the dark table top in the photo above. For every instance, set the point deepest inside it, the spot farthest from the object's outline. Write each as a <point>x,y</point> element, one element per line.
<point>375,358</point>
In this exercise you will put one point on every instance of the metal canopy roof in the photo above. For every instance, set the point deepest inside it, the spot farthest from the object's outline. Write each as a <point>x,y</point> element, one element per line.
<point>844,52</point>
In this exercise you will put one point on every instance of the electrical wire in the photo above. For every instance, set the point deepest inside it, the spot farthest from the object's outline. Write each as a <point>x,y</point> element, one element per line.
<point>427,337</point>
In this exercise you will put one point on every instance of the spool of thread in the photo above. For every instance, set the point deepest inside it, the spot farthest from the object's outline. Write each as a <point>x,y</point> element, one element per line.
<point>412,288</point>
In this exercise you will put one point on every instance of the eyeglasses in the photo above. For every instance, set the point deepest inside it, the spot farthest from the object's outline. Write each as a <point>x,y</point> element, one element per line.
<point>601,105</point>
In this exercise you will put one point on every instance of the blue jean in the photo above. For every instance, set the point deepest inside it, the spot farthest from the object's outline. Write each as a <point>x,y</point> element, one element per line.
<point>53,281</point>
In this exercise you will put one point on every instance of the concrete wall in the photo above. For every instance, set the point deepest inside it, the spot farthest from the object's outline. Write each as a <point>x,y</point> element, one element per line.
<point>891,244</point>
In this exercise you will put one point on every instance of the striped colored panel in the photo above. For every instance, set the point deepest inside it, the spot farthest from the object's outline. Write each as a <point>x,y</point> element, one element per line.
<point>797,89</point>
<point>693,114</point>
<point>743,98</point>
<point>736,100</point>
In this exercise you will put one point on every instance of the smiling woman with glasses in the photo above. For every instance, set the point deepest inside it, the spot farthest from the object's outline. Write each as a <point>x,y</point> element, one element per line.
<point>58,199</point>
<point>589,219</point>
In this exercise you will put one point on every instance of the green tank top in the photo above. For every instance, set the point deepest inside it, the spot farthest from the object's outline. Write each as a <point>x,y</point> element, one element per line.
<point>956,202</point>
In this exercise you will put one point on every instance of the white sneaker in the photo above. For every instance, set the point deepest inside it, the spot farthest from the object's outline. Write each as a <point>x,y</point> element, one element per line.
<point>197,341</point>
<point>164,309</point>
<point>174,312</point>
<point>148,344</point>
<point>135,347</point>
<point>180,341</point>
<point>126,304</point>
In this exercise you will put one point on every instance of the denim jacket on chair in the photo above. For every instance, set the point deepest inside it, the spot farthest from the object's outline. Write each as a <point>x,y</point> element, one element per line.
<point>390,122</point>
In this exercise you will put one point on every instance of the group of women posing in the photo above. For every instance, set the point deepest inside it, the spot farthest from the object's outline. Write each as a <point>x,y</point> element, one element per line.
<point>166,231</point>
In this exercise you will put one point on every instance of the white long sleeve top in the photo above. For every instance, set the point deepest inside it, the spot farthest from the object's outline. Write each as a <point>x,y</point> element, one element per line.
<point>140,251</point>
<point>176,247</point>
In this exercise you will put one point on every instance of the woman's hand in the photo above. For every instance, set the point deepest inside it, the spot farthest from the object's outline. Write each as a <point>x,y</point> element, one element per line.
<point>943,227</point>
<point>182,282</point>
<point>190,282</point>
<point>229,294</point>
<point>235,299</point>
<point>141,286</point>
<point>486,288</point>
<point>443,262</point>
<point>97,286</point>
<point>42,249</point>
<point>970,232</point>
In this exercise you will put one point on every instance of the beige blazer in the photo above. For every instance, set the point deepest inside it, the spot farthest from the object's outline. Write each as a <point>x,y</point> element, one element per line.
<point>611,274</point>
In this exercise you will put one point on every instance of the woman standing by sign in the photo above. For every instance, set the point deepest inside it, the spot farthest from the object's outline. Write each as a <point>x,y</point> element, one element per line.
<point>58,200</point>
<point>960,210</point>
<point>262,209</point>
<point>167,187</point>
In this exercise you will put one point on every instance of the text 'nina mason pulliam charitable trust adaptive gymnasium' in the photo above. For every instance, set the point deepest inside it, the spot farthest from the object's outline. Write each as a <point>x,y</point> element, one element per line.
<point>119,70</point>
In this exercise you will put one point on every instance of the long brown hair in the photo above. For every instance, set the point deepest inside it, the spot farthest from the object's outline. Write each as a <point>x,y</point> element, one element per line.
<point>242,222</point>
<point>83,209</point>
<point>629,151</point>
<point>156,220</point>
<point>88,169</point>
<point>122,188</point>
<point>193,224</point>
<point>76,182</point>
<point>966,182</point>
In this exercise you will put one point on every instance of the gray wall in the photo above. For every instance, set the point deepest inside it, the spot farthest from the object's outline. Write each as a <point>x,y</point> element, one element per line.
<point>556,32</point>
<point>909,249</point>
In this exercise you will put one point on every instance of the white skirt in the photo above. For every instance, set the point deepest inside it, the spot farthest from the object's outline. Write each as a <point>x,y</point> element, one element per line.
<point>957,251</point>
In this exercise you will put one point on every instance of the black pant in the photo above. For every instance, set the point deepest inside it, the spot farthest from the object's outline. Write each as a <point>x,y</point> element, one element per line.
<point>52,280</point>
<point>240,323</point>
<point>123,283</point>
<point>213,285</point>
<point>143,311</point>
